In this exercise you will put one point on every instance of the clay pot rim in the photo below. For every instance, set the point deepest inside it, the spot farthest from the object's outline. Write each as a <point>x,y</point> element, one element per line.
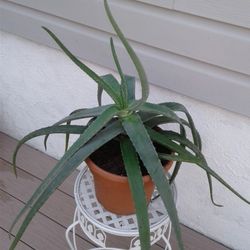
<point>118,178</point>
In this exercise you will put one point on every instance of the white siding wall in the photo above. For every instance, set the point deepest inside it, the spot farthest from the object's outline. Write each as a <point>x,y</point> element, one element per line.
<point>208,41</point>
<point>40,85</point>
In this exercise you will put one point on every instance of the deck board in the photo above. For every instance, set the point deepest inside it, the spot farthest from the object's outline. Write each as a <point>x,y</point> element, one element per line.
<point>42,233</point>
<point>48,227</point>
<point>59,207</point>
<point>4,242</point>
<point>32,161</point>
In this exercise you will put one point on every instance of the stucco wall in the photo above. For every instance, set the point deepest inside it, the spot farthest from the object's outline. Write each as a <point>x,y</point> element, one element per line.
<point>39,85</point>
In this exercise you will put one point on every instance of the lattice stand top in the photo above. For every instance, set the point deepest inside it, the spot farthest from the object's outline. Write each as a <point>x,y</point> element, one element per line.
<point>88,205</point>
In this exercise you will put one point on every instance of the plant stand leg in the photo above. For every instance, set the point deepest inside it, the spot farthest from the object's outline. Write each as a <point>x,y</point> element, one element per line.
<point>73,228</point>
<point>167,238</point>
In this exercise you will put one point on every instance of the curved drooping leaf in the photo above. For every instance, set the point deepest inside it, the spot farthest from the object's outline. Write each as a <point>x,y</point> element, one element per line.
<point>67,134</point>
<point>144,147</point>
<point>77,115</point>
<point>72,129</point>
<point>164,137</point>
<point>205,167</point>
<point>168,140</point>
<point>160,120</point>
<point>85,113</point>
<point>60,172</point>
<point>197,142</point>
<point>134,58</point>
<point>40,132</point>
<point>133,171</point>
<point>107,87</point>
<point>88,133</point>
<point>179,157</point>
<point>178,163</point>
<point>173,136</point>
<point>181,108</point>
<point>211,190</point>
<point>160,110</point>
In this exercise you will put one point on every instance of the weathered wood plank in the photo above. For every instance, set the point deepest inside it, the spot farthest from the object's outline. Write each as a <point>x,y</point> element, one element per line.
<point>59,208</point>
<point>25,185</point>
<point>42,232</point>
<point>5,241</point>
<point>33,161</point>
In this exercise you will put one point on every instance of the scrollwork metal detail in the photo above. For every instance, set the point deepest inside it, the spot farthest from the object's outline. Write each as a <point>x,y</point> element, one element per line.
<point>93,232</point>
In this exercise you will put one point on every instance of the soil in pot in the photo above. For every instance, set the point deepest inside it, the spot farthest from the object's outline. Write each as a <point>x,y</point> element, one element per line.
<point>110,178</point>
<point>109,158</point>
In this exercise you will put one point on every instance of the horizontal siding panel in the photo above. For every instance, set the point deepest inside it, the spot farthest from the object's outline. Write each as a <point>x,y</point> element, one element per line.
<point>215,43</point>
<point>160,3</point>
<point>229,11</point>
<point>235,12</point>
<point>194,78</point>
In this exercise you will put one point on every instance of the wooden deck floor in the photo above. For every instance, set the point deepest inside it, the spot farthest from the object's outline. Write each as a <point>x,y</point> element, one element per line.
<point>48,227</point>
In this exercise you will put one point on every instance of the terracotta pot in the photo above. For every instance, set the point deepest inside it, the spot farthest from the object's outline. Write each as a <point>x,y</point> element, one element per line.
<point>113,191</point>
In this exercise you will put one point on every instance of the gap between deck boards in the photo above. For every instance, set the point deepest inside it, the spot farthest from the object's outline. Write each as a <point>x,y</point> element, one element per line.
<point>51,222</point>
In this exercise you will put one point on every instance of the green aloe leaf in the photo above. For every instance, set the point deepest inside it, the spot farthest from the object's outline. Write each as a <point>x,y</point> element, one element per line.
<point>116,60</point>
<point>178,163</point>
<point>99,95</point>
<point>95,126</point>
<point>109,78</point>
<point>67,134</point>
<point>167,139</point>
<point>155,120</point>
<point>88,133</point>
<point>132,167</point>
<point>144,147</point>
<point>181,108</point>
<point>133,56</point>
<point>209,171</point>
<point>146,117</point>
<point>61,171</point>
<point>106,86</point>
<point>66,139</point>
<point>196,149</point>
<point>163,139</point>
<point>160,110</point>
<point>173,136</point>
<point>72,129</point>
<point>179,157</point>
<point>124,90</point>
<point>130,82</point>
<point>77,115</point>
<point>211,190</point>
<point>84,113</point>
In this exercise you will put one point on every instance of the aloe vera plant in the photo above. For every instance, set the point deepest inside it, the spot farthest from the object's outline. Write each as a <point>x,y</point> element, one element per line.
<point>133,118</point>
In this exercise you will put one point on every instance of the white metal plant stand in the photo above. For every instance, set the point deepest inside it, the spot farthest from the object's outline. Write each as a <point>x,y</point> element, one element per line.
<point>99,224</point>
